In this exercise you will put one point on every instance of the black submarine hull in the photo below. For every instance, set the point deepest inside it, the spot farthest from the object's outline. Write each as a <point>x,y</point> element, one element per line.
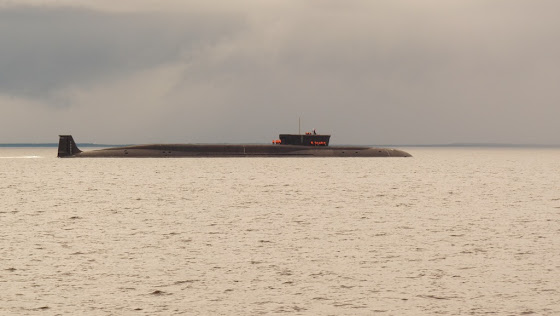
<point>68,149</point>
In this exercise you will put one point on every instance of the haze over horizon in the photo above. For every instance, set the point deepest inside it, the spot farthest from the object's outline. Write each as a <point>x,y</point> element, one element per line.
<point>367,72</point>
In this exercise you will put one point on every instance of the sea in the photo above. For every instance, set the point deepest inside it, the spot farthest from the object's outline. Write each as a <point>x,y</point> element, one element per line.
<point>450,231</point>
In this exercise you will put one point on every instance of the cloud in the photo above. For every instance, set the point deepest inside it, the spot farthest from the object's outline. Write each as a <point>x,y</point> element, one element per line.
<point>369,72</point>
<point>48,48</point>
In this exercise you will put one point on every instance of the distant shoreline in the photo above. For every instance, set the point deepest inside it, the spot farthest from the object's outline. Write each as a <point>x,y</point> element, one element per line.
<point>481,145</point>
<point>456,145</point>
<point>55,145</point>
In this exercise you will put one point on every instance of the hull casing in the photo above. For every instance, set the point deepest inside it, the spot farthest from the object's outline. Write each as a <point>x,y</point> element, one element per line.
<point>68,149</point>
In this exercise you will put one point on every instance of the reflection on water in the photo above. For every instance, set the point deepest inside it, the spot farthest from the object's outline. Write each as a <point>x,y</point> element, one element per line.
<point>450,231</point>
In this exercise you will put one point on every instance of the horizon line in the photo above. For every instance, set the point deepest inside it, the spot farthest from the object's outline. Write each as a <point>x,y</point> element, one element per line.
<point>459,144</point>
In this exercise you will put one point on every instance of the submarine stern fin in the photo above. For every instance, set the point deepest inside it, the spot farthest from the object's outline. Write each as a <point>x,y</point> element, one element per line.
<point>67,147</point>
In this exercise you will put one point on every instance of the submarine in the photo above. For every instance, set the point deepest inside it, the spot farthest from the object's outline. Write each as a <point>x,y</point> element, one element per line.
<point>288,145</point>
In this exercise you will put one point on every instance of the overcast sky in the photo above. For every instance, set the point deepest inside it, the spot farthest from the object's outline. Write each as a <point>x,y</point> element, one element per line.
<point>368,72</point>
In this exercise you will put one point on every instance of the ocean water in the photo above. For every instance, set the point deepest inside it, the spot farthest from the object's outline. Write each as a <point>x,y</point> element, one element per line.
<point>451,231</point>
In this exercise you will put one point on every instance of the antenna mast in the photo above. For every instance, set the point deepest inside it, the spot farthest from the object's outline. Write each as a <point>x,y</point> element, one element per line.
<point>299,130</point>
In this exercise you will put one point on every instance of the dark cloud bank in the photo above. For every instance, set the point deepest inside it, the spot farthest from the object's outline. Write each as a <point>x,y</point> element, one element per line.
<point>47,48</point>
<point>391,72</point>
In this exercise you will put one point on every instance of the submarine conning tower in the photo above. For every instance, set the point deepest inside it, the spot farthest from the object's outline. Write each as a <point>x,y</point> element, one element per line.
<point>307,139</point>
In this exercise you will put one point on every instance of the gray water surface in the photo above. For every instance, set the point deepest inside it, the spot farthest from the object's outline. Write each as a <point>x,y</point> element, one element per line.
<point>468,231</point>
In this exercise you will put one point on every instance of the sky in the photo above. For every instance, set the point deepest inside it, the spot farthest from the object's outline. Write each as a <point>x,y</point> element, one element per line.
<point>204,71</point>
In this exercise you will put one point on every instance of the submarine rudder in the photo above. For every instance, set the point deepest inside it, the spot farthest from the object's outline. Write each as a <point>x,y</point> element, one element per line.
<point>67,147</point>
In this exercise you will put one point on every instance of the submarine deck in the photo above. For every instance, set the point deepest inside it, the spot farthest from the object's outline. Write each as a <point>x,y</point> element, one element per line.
<point>214,150</point>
